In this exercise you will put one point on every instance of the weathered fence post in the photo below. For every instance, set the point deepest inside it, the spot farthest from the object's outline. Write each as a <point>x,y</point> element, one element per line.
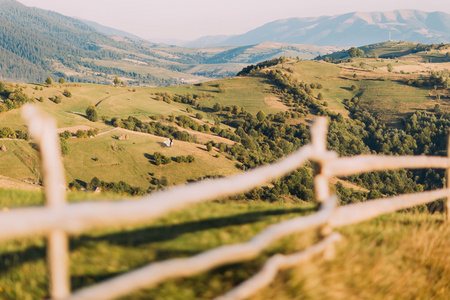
<point>319,132</point>
<point>43,129</point>
<point>447,204</point>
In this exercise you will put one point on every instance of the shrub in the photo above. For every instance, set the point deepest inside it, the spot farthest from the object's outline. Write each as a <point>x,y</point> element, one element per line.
<point>7,132</point>
<point>180,159</point>
<point>92,132</point>
<point>64,147</point>
<point>80,134</point>
<point>91,113</point>
<point>320,96</point>
<point>67,93</point>
<point>56,99</point>
<point>66,134</point>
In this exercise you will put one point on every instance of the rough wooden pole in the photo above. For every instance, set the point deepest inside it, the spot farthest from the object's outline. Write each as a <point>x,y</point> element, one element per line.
<point>447,204</point>
<point>43,129</point>
<point>319,141</point>
<point>319,132</point>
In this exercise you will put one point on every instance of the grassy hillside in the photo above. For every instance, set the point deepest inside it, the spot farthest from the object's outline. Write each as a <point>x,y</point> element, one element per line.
<point>384,94</point>
<point>401,255</point>
<point>131,160</point>
<point>258,117</point>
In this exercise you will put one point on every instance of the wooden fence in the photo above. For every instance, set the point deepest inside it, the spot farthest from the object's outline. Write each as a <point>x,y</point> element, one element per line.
<point>58,218</point>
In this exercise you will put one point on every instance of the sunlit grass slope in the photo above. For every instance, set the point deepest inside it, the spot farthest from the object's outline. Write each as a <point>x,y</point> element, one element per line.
<point>130,160</point>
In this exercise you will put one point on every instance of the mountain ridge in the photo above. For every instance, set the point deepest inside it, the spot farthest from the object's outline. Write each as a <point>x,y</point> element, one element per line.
<point>350,29</point>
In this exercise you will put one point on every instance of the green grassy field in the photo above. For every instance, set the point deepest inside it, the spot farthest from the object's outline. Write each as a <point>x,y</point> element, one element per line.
<point>131,161</point>
<point>335,89</point>
<point>397,256</point>
<point>392,100</point>
<point>248,92</point>
<point>379,91</point>
<point>110,159</point>
<point>20,161</point>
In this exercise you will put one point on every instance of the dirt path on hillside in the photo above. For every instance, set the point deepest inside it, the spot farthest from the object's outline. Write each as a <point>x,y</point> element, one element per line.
<point>6,182</point>
<point>73,129</point>
<point>201,136</point>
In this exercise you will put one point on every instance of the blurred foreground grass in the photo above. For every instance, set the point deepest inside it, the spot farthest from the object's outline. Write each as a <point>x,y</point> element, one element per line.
<point>396,256</point>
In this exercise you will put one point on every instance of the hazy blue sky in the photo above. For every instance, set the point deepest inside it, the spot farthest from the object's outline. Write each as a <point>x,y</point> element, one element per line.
<point>188,20</point>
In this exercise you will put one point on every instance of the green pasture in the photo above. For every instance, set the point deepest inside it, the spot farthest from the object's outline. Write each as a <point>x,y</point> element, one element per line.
<point>335,89</point>
<point>110,159</point>
<point>248,92</point>
<point>20,161</point>
<point>130,160</point>
<point>393,100</point>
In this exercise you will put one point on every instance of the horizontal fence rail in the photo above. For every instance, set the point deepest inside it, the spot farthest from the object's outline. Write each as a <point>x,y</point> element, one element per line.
<point>58,218</point>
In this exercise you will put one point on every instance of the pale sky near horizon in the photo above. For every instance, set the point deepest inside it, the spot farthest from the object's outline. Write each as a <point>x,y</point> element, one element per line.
<point>189,20</point>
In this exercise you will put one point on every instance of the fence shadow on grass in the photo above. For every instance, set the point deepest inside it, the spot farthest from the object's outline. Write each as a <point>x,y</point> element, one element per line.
<point>154,234</point>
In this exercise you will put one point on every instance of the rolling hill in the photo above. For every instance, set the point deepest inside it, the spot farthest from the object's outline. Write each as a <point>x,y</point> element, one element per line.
<point>351,29</point>
<point>228,126</point>
<point>288,91</point>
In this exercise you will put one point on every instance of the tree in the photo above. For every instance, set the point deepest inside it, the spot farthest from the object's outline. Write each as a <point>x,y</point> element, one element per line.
<point>61,80</point>
<point>116,81</point>
<point>65,135</point>
<point>91,113</point>
<point>80,133</point>
<point>354,52</point>
<point>7,132</point>
<point>320,96</point>
<point>64,147</point>
<point>217,107</point>
<point>261,116</point>
<point>49,80</point>
<point>360,53</point>
<point>389,67</point>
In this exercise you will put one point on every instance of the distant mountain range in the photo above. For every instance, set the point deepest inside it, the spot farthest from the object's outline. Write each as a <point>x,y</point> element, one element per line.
<point>352,29</point>
<point>36,43</point>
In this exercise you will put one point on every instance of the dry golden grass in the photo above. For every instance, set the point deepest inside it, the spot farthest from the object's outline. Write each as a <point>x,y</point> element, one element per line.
<point>398,256</point>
